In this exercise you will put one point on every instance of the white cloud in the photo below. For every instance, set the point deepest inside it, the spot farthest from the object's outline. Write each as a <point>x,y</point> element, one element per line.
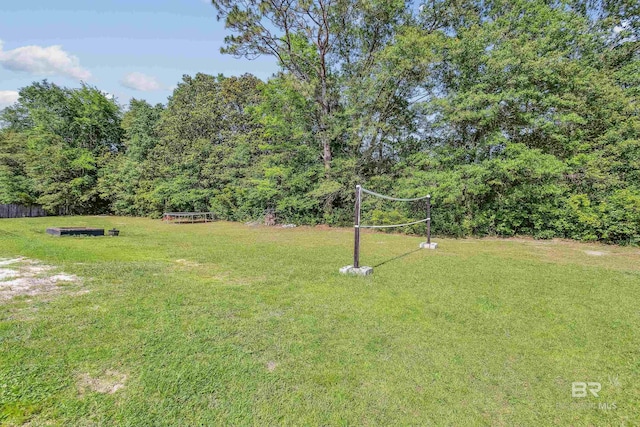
<point>142,82</point>
<point>43,61</point>
<point>8,97</point>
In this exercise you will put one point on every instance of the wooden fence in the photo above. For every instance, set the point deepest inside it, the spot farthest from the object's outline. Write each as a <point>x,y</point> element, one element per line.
<point>20,211</point>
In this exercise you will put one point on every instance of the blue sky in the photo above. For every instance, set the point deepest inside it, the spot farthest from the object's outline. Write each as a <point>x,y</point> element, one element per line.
<point>134,48</point>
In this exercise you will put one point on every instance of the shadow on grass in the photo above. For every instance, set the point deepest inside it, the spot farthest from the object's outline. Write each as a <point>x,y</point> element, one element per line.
<point>397,258</point>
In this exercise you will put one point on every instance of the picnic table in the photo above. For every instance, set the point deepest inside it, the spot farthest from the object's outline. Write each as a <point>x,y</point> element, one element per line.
<point>191,217</point>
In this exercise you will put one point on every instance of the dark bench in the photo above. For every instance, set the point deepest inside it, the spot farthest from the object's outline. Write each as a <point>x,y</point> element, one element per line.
<point>75,231</point>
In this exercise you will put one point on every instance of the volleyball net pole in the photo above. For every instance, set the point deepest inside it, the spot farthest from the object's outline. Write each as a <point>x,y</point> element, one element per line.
<point>356,268</point>
<point>356,231</point>
<point>428,219</point>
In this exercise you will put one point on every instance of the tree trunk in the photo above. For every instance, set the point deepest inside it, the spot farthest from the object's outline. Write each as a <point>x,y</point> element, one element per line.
<point>323,49</point>
<point>325,111</point>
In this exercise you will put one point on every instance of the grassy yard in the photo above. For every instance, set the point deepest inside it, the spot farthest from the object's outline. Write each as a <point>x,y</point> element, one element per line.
<point>223,323</point>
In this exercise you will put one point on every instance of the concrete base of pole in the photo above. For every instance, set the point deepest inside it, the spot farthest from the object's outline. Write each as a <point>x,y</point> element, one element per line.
<point>425,245</point>
<point>361,271</point>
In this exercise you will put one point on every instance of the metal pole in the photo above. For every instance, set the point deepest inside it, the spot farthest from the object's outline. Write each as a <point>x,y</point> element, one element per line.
<point>356,243</point>
<point>429,220</point>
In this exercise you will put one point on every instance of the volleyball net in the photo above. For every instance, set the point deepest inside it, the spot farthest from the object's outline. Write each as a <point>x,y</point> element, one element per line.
<point>358,225</point>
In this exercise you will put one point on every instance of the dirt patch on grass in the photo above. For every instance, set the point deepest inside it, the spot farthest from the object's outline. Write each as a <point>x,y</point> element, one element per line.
<point>4,262</point>
<point>596,253</point>
<point>6,273</point>
<point>108,383</point>
<point>271,366</point>
<point>22,276</point>
<point>188,263</point>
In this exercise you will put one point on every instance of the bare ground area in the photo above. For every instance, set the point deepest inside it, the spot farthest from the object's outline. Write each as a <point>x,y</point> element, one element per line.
<point>28,277</point>
<point>108,383</point>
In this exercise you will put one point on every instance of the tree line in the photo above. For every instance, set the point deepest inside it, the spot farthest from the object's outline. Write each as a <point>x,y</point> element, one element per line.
<point>519,117</point>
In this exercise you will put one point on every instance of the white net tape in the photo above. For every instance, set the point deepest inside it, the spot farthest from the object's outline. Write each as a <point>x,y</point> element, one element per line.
<point>394,225</point>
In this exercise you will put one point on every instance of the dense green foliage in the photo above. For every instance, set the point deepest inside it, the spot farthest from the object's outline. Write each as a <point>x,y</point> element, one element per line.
<point>55,143</point>
<point>519,117</point>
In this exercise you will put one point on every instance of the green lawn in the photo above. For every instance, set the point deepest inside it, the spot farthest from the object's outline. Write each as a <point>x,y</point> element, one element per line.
<point>223,323</point>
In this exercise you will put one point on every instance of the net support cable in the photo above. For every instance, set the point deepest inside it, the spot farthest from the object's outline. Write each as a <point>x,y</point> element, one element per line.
<point>395,199</point>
